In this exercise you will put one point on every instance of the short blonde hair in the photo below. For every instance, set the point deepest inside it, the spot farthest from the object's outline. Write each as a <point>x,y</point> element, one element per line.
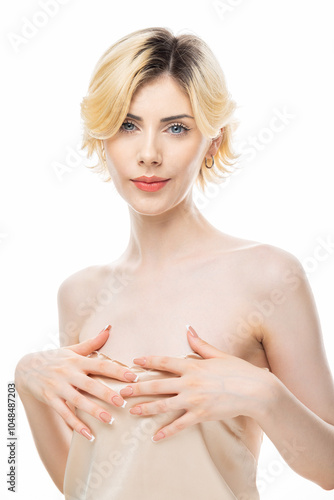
<point>139,58</point>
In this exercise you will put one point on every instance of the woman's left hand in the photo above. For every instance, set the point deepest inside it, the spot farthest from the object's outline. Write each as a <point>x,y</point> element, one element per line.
<point>216,387</point>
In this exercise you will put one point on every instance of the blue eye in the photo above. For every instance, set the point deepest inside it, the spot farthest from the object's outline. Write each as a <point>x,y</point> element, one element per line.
<point>127,129</point>
<point>177,128</point>
<point>181,128</point>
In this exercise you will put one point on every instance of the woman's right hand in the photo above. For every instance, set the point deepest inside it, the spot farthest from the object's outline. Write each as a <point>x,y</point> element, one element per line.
<point>53,377</point>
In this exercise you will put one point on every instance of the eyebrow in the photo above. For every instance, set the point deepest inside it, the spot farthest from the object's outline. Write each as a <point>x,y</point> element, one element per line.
<point>167,119</point>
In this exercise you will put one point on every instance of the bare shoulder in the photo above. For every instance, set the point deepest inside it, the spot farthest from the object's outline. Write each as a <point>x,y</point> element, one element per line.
<point>273,260</point>
<point>270,253</point>
<point>264,267</point>
<point>270,263</point>
<point>76,284</point>
<point>73,292</point>
<point>276,267</point>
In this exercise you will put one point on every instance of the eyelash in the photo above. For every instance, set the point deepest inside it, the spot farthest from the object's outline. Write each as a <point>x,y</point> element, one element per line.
<point>185,129</point>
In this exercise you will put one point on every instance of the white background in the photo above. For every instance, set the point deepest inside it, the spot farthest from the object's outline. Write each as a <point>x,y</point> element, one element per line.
<point>276,56</point>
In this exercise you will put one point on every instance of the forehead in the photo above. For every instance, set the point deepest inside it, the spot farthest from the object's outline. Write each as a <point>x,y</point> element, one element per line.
<point>161,93</point>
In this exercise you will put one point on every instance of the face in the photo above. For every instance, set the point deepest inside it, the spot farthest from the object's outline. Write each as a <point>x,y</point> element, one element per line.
<point>158,138</point>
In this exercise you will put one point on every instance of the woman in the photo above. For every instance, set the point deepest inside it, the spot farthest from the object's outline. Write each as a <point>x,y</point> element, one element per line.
<point>160,117</point>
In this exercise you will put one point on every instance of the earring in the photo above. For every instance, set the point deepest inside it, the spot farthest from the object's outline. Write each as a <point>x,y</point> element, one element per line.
<point>103,152</point>
<point>212,164</point>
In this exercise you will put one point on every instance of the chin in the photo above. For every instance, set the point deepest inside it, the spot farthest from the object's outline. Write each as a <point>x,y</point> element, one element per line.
<point>148,207</point>
<point>149,211</point>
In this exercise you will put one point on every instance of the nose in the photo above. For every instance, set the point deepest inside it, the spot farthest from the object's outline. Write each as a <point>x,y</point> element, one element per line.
<point>149,152</point>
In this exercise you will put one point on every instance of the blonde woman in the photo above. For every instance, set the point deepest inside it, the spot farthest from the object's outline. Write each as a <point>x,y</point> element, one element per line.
<point>211,340</point>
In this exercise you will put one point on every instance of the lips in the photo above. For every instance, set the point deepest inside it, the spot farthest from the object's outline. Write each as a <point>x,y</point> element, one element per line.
<point>149,180</point>
<point>151,185</point>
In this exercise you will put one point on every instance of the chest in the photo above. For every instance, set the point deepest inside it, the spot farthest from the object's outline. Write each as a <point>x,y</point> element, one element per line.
<point>149,314</point>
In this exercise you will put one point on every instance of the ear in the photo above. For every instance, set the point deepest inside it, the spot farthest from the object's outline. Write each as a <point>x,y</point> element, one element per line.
<point>215,143</point>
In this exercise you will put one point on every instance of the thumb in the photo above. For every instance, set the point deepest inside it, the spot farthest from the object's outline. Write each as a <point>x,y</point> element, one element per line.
<point>201,347</point>
<point>87,346</point>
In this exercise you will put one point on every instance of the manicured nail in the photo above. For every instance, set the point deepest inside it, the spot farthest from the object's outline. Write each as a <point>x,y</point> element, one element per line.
<point>87,435</point>
<point>139,361</point>
<point>127,391</point>
<point>136,410</point>
<point>105,329</point>
<point>131,377</point>
<point>158,436</point>
<point>191,331</point>
<point>105,417</point>
<point>118,401</point>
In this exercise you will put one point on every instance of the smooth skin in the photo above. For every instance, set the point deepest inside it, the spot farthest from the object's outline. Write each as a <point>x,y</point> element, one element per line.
<point>224,386</point>
<point>246,390</point>
<point>48,383</point>
<point>179,269</point>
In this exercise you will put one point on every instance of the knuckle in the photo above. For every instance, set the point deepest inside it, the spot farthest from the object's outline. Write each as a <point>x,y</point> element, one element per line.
<point>100,366</point>
<point>118,371</point>
<point>106,394</point>
<point>179,426</point>
<point>60,369</point>
<point>196,399</point>
<point>51,384</point>
<point>66,413</point>
<point>192,364</point>
<point>193,382</point>
<point>145,410</point>
<point>164,361</point>
<point>74,359</point>
<point>47,395</point>
<point>155,386</point>
<point>161,406</point>
<point>88,385</point>
<point>202,413</point>
<point>77,399</point>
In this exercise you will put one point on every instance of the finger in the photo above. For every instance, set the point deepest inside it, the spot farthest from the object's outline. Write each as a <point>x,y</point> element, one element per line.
<point>71,419</point>
<point>154,407</point>
<point>164,363</point>
<point>83,403</point>
<point>203,348</point>
<point>107,368</point>
<point>87,346</point>
<point>99,390</point>
<point>173,428</point>
<point>158,386</point>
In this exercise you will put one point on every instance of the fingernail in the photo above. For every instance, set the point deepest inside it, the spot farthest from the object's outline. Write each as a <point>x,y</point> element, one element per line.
<point>136,410</point>
<point>105,329</point>
<point>118,401</point>
<point>139,361</point>
<point>131,377</point>
<point>105,417</point>
<point>191,331</point>
<point>87,435</point>
<point>127,391</point>
<point>158,436</point>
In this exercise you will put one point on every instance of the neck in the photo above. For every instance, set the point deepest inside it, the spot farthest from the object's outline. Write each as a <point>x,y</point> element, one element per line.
<point>159,240</point>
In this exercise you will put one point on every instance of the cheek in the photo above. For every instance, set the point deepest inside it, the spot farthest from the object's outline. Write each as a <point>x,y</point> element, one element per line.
<point>185,152</point>
<point>119,163</point>
<point>191,158</point>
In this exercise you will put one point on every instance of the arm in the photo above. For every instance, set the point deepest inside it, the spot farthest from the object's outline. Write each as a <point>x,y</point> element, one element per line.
<point>49,430</point>
<point>299,414</point>
<point>294,404</point>
<point>50,382</point>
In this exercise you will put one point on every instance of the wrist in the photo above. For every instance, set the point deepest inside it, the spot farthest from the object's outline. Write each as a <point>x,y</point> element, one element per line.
<point>268,398</point>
